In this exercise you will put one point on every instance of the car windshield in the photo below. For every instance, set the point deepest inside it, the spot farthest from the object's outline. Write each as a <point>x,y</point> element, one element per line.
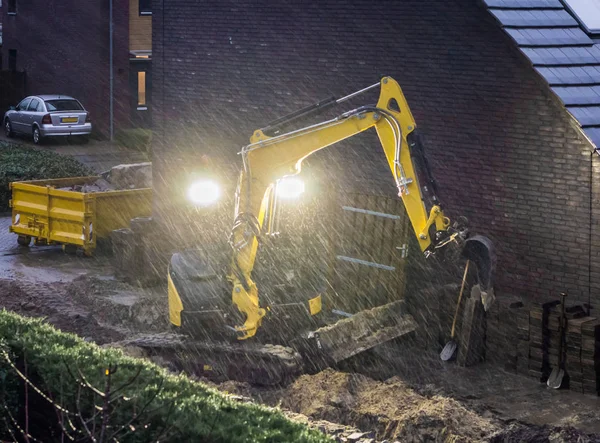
<point>63,105</point>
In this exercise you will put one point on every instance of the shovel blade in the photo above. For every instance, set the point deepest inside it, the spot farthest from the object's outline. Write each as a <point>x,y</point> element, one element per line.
<point>448,351</point>
<point>555,379</point>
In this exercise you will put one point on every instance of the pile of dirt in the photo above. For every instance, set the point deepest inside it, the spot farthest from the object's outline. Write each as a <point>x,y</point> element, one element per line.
<point>391,408</point>
<point>48,301</point>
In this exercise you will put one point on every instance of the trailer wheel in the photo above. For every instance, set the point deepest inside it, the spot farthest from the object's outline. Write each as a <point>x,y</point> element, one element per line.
<point>24,240</point>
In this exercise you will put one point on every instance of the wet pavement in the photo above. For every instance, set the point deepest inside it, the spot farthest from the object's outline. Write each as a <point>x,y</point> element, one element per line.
<point>98,155</point>
<point>45,263</point>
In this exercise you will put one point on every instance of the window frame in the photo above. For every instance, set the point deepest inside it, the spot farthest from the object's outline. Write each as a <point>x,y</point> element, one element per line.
<point>37,103</point>
<point>576,11</point>
<point>8,7</point>
<point>23,110</point>
<point>147,11</point>
<point>142,106</point>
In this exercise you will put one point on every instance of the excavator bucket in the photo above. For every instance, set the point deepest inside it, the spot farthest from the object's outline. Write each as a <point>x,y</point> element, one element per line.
<point>480,251</point>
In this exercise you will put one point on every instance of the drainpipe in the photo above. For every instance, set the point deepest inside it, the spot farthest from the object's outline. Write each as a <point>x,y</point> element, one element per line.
<point>111,95</point>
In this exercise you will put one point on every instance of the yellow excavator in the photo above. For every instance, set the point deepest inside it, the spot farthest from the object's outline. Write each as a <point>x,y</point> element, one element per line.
<point>262,335</point>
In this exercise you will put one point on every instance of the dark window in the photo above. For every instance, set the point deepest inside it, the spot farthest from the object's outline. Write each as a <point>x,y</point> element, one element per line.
<point>33,106</point>
<point>12,6</point>
<point>23,105</point>
<point>145,7</point>
<point>63,105</point>
<point>12,59</point>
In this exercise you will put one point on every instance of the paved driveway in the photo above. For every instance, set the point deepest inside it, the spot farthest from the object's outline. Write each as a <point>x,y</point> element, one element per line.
<point>99,155</point>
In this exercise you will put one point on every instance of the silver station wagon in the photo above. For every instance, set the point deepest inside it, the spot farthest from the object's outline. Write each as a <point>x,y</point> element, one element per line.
<point>44,116</point>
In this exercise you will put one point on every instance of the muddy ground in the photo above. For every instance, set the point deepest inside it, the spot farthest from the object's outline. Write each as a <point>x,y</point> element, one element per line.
<point>411,396</point>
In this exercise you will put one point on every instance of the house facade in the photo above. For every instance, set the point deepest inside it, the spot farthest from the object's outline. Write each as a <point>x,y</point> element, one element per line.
<point>505,151</point>
<point>69,48</point>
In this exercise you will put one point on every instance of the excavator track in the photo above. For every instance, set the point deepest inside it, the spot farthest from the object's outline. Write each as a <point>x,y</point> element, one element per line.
<point>259,364</point>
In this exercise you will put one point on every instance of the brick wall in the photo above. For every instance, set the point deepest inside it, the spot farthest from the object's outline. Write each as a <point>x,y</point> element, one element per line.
<point>63,46</point>
<point>140,28</point>
<point>505,152</point>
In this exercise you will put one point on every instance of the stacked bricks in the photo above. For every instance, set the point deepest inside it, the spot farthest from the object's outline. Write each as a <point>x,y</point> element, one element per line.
<point>575,362</point>
<point>590,353</point>
<point>522,317</point>
<point>539,366</point>
<point>507,330</point>
<point>582,341</point>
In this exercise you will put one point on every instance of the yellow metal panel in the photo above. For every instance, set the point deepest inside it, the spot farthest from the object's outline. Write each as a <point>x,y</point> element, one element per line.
<point>175,305</point>
<point>115,209</point>
<point>315,305</point>
<point>44,212</point>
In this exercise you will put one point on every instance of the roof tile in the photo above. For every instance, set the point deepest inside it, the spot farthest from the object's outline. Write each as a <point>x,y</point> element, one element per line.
<point>550,37</point>
<point>571,75</point>
<point>534,18</point>
<point>523,3</point>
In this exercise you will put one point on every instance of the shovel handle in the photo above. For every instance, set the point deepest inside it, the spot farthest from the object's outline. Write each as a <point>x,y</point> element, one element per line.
<point>462,288</point>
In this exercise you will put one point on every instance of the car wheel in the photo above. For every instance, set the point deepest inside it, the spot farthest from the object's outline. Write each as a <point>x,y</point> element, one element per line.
<point>8,128</point>
<point>37,136</point>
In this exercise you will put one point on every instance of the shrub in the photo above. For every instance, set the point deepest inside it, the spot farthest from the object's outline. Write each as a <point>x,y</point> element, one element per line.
<point>189,410</point>
<point>18,163</point>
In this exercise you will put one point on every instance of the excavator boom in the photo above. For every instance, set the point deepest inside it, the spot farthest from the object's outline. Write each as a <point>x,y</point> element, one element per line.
<point>268,159</point>
<point>223,328</point>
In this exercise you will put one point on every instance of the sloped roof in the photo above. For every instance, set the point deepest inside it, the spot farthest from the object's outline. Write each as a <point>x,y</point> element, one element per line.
<point>560,50</point>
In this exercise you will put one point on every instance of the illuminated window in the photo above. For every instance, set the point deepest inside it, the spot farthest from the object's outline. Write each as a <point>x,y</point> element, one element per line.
<point>587,12</point>
<point>141,88</point>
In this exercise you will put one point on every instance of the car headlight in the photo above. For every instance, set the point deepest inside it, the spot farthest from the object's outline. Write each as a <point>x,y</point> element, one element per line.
<point>290,187</point>
<point>204,192</point>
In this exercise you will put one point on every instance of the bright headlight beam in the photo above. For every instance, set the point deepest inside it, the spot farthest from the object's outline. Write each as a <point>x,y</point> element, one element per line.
<point>204,192</point>
<point>290,188</point>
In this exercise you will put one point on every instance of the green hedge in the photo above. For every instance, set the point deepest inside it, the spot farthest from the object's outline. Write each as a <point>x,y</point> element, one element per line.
<point>197,412</point>
<point>23,163</point>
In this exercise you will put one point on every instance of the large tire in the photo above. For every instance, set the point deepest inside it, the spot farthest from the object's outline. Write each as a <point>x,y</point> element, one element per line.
<point>37,135</point>
<point>8,130</point>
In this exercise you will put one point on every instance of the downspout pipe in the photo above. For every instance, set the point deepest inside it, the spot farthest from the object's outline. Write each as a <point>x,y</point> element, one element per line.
<point>111,77</point>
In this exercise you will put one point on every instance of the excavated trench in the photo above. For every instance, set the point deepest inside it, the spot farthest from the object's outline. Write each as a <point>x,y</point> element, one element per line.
<point>414,397</point>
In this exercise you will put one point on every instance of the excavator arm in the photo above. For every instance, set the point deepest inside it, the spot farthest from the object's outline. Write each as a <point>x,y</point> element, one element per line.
<point>268,159</point>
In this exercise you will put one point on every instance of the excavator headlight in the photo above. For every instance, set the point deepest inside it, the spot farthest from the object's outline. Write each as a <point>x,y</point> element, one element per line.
<point>204,192</point>
<point>290,187</point>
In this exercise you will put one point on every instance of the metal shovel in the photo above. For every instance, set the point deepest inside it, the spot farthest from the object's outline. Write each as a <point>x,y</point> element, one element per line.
<point>450,348</point>
<point>556,376</point>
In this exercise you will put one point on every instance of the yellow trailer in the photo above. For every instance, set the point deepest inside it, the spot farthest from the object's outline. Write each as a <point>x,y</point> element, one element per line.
<point>49,215</point>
